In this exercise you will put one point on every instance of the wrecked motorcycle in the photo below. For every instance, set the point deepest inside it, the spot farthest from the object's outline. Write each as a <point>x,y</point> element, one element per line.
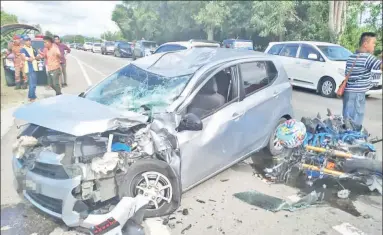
<point>335,132</point>
<point>317,163</point>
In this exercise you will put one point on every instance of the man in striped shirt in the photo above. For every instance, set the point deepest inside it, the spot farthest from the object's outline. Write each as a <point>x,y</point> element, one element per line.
<point>359,82</point>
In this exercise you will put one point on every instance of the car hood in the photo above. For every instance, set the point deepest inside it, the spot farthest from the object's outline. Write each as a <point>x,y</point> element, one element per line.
<point>77,116</point>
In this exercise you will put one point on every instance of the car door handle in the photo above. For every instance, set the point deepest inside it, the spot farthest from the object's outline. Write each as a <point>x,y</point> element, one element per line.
<point>275,94</point>
<point>237,115</point>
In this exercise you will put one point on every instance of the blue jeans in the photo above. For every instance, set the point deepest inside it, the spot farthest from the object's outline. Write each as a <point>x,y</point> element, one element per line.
<point>32,80</point>
<point>353,106</point>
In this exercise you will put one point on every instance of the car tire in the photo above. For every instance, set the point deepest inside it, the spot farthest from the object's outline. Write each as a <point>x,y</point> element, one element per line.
<point>152,168</point>
<point>266,154</point>
<point>133,57</point>
<point>9,77</point>
<point>327,87</point>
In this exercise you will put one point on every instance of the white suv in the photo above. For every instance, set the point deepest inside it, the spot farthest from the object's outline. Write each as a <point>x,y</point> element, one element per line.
<point>315,65</point>
<point>88,46</point>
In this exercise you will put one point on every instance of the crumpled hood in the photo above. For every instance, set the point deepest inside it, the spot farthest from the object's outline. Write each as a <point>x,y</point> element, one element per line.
<point>77,116</point>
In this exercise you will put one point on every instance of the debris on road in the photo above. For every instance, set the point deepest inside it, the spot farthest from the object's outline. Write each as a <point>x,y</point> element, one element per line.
<point>200,201</point>
<point>275,204</point>
<point>185,211</point>
<point>185,229</point>
<point>209,227</point>
<point>224,180</point>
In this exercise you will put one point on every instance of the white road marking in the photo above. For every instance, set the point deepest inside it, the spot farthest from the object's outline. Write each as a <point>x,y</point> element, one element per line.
<point>97,71</point>
<point>347,229</point>
<point>87,79</point>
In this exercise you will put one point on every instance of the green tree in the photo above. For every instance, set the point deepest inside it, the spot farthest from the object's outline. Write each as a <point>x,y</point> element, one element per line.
<point>212,16</point>
<point>7,18</point>
<point>112,36</point>
<point>271,17</point>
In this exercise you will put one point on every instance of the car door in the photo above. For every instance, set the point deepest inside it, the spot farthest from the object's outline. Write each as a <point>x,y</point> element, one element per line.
<point>309,70</point>
<point>260,102</point>
<point>206,152</point>
<point>288,56</point>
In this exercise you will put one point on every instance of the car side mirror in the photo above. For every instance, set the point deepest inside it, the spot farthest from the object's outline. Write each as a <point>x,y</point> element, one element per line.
<point>190,122</point>
<point>312,56</point>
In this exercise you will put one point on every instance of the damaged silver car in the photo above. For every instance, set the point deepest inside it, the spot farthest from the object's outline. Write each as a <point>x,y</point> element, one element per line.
<point>157,127</point>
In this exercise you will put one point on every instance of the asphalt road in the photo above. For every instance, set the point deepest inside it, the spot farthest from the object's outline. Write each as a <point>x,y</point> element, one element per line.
<point>220,213</point>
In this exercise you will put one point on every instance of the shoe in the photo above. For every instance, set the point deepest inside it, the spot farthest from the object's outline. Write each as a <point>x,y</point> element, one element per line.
<point>64,85</point>
<point>17,87</point>
<point>32,100</point>
<point>24,86</point>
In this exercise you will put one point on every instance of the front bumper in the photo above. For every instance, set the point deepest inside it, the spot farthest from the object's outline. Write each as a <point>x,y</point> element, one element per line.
<point>53,196</point>
<point>375,90</point>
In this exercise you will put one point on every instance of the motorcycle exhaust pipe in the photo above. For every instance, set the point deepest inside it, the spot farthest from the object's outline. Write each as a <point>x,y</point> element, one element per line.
<point>326,171</point>
<point>336,153</point>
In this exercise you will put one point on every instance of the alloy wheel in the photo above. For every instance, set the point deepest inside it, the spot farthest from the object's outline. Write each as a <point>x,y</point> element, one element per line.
<point>156,188</point>
<point>327,87</point>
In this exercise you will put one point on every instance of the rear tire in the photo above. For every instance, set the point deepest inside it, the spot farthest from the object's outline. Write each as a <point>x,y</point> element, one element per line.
<point>327,87</point>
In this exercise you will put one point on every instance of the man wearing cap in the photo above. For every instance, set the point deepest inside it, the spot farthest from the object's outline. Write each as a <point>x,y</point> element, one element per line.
<point>30,67</point>
<point>18,63</point>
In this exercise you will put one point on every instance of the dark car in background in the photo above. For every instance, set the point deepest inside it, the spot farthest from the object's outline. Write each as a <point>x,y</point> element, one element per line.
<point>123,49</point>
<point>238,44</point>
<point>37,43</point>
<point>107,47</point>
<point>143,48</point>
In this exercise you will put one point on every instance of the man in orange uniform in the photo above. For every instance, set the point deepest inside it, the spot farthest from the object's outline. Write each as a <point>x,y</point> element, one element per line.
<point>18,63</point>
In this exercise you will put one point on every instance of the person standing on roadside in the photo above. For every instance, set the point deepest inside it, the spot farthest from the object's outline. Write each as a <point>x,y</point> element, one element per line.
<point>359,82</point>
<point>30,67</point>
<point>18,63</point>
<point>53,57</point>
<point>63,50</point>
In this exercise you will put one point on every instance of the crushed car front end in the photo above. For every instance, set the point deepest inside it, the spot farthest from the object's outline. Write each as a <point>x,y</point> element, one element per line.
<point>76,175</point>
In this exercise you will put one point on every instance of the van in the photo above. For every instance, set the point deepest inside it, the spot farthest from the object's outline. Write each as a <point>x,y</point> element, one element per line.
<point>318,66</point>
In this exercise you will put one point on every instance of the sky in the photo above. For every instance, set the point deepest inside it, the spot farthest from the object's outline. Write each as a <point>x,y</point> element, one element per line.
<point>88,18</point>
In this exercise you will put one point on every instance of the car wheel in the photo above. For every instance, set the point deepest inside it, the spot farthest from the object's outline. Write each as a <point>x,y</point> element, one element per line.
<point>151,178</point>
<point>273,147</point>
<point>327,87</point>
<point>367,96</point>
<point>9,78</point>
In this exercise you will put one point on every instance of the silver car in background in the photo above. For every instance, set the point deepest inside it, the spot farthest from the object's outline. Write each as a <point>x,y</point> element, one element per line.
<point>156,127</point>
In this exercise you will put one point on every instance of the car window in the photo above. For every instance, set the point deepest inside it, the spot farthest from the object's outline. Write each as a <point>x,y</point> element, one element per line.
<point>257,75</point>
<point>38,45</point>
<point>275,49</point>
<point>289,50</point>
<point>306,50</point>
<point>219,91</point>
<point>170,47</point>
<point>97,44</point>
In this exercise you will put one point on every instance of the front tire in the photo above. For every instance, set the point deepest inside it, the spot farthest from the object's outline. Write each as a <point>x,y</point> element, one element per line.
<point>151,178</point>
<point>327,87</point>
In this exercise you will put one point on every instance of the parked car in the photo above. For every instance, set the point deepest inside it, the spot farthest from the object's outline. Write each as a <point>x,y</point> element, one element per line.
<point>376,79</point>
<point>80,46</point>
<point>167,114</point>
<point>318,66</point>
<point>88,46</point>
<point>96,47</point>
<point>238,44</point>
<point>177,46</point>
<point>143,48</point>
<point>122,49</point>
<point>107,48</point>
<point>8,65</point>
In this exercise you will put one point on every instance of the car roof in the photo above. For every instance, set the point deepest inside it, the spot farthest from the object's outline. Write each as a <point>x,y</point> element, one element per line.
<point>315,43</point>
<point>178,63</point>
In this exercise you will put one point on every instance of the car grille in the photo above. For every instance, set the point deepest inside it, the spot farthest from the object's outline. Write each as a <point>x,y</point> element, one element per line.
<point>376,87</point>
<point>50,171</point>
<point>49,203</point>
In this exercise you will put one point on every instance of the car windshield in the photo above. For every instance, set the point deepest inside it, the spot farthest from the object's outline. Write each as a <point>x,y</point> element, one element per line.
<point>88,43</point>
<point>149,44</point>
<point>336,53</point>
<point>109,43</point>
<point>97,44</point>
<point>131,87</point>
<point>38,45</point>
